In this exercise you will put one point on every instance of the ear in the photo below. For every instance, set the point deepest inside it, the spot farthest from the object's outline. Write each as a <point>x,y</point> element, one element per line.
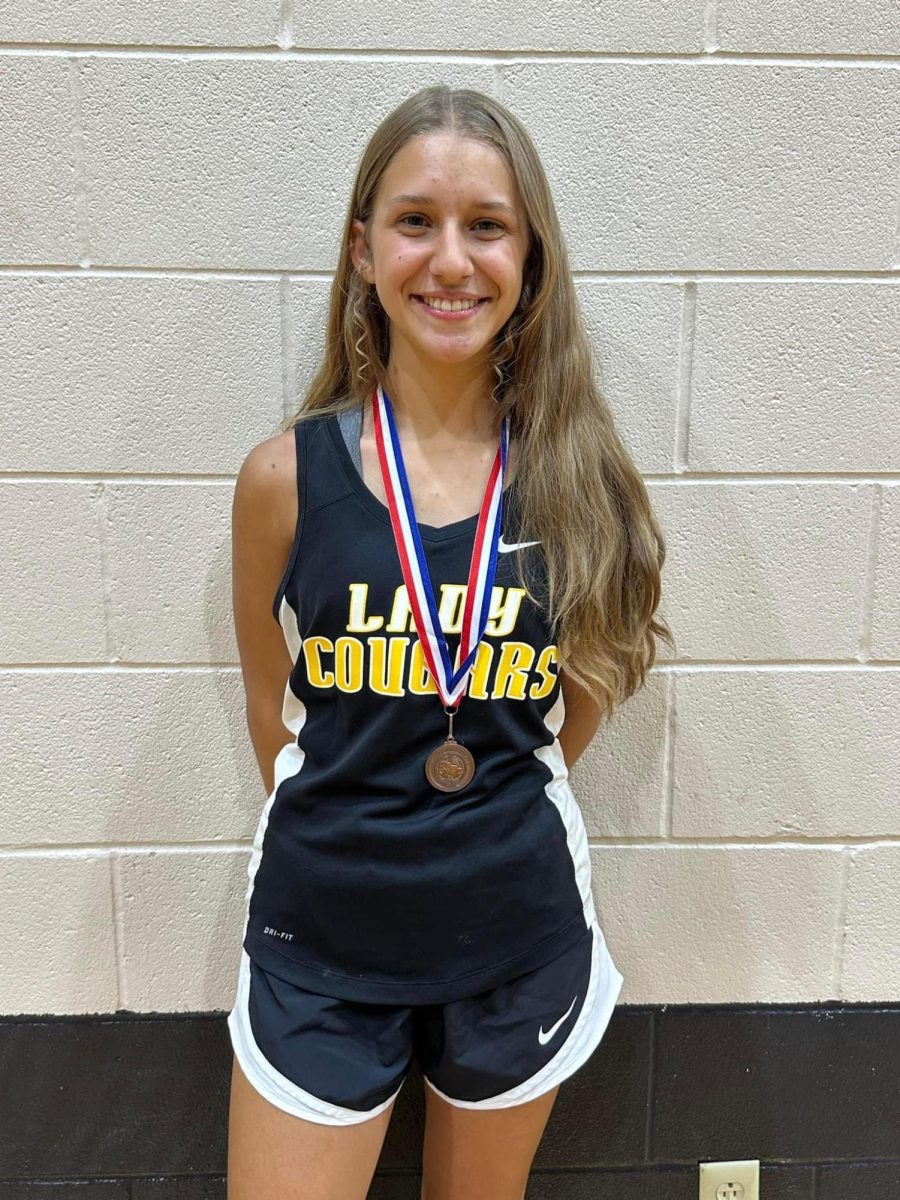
<point>359,251</point>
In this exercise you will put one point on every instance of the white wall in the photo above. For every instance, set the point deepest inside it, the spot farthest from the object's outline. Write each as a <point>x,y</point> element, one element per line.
<point>728,176</point>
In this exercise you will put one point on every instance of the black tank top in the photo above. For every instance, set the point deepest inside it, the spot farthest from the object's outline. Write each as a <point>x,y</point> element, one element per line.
<point>366,883</point>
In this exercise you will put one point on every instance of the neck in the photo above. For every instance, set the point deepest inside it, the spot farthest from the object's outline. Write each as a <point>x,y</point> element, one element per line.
<point>455,406</point>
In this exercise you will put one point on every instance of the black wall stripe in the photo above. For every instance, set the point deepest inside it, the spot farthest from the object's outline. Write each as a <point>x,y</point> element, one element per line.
<point>132,1106</point>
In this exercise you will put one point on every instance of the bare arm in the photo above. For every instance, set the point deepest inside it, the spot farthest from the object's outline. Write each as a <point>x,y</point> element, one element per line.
<point>581,722</point>
<point>263,521</point>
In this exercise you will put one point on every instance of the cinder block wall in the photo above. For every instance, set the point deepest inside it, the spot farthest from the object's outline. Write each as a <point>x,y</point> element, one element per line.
<point>728,177</point>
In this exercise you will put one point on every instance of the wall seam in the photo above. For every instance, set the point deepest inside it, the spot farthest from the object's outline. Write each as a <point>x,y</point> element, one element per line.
<point>499,81</point>
<point>775,841</point>
<point>659,478</point>
<point>840,939</point>
<point>895,262</point>
<point>285,36</point>
<point>684,379</point>
<point>882,277</point>
<point>115,880</point>
<point>99,499</point>
<point>698,57</point>
<point>290,400</point>
<point>80,185</point>
<point>671,727</point>
<point>864,644</point>
<point>711,27</point>
<point>83,850</point>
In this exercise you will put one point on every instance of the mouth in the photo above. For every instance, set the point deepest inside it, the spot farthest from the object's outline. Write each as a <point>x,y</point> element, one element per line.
<point>442,314</point>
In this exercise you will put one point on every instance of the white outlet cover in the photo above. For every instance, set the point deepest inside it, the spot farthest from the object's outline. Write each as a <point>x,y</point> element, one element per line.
<point>742,1173</point>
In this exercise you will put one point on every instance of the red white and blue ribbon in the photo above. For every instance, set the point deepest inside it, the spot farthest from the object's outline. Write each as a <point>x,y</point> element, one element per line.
<point>412,557</point>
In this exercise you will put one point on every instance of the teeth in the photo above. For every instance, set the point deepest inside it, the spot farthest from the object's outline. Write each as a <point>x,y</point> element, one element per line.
<point>449,305</point>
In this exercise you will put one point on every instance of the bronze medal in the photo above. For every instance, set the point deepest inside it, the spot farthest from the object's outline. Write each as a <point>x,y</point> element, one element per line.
<point>449,766</point>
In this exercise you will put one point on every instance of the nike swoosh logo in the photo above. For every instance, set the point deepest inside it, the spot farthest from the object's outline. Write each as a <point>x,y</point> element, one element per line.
<point>505,547</point>
<point>544,1038</point>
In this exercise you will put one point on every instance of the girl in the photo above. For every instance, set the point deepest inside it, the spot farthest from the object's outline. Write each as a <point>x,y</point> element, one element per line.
<point>463,568</point>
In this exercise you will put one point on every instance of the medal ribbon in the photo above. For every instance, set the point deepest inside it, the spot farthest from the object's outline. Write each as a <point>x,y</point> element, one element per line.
<point>412,557</point>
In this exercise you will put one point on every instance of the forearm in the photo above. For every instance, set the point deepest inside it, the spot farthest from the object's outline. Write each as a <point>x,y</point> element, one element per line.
<point>269,735</point>
<point>576,734</point>
<point>581,720</point>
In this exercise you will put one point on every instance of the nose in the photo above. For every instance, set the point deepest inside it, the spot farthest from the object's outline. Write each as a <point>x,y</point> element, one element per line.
<point>451,256</point>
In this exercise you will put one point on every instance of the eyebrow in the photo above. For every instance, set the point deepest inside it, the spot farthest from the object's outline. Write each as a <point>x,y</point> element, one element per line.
<point>487,205</point>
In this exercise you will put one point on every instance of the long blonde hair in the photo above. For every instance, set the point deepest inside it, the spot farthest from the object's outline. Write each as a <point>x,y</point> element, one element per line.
<point>578,491</point>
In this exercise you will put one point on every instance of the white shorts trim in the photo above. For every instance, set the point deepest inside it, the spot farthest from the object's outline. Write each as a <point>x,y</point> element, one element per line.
<point>603,992</point>
<point>269,1082</point>
<point>584,1037</point>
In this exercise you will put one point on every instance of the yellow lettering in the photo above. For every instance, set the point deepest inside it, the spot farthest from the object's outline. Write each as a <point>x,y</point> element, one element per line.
<point>348,664</point>
<point>512,670</point>
<point>401,612</point>
<point>420,681</point>
<point>388,660</point>
<point>548,655</point>
<point>357,621</point>
<point>504,612</point>
<point>312,647</point>
<point>478,676</point>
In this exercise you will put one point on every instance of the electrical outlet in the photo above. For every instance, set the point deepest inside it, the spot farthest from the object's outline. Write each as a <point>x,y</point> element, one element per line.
<point>730,1180</point>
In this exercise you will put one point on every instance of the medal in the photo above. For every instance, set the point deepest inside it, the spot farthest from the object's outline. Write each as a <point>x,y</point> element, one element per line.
<point>450,766</point>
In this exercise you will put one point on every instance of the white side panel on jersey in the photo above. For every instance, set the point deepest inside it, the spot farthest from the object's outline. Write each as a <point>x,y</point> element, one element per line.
<point>287,619</point>
<point>559,791</point>
<point>290,758</point>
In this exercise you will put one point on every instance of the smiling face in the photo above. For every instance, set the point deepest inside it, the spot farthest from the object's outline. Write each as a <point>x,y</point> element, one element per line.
<point>447,218</point>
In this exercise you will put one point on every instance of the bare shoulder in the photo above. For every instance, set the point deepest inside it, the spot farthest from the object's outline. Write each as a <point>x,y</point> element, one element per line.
<point>270,461</point>
<point>266,488</point>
